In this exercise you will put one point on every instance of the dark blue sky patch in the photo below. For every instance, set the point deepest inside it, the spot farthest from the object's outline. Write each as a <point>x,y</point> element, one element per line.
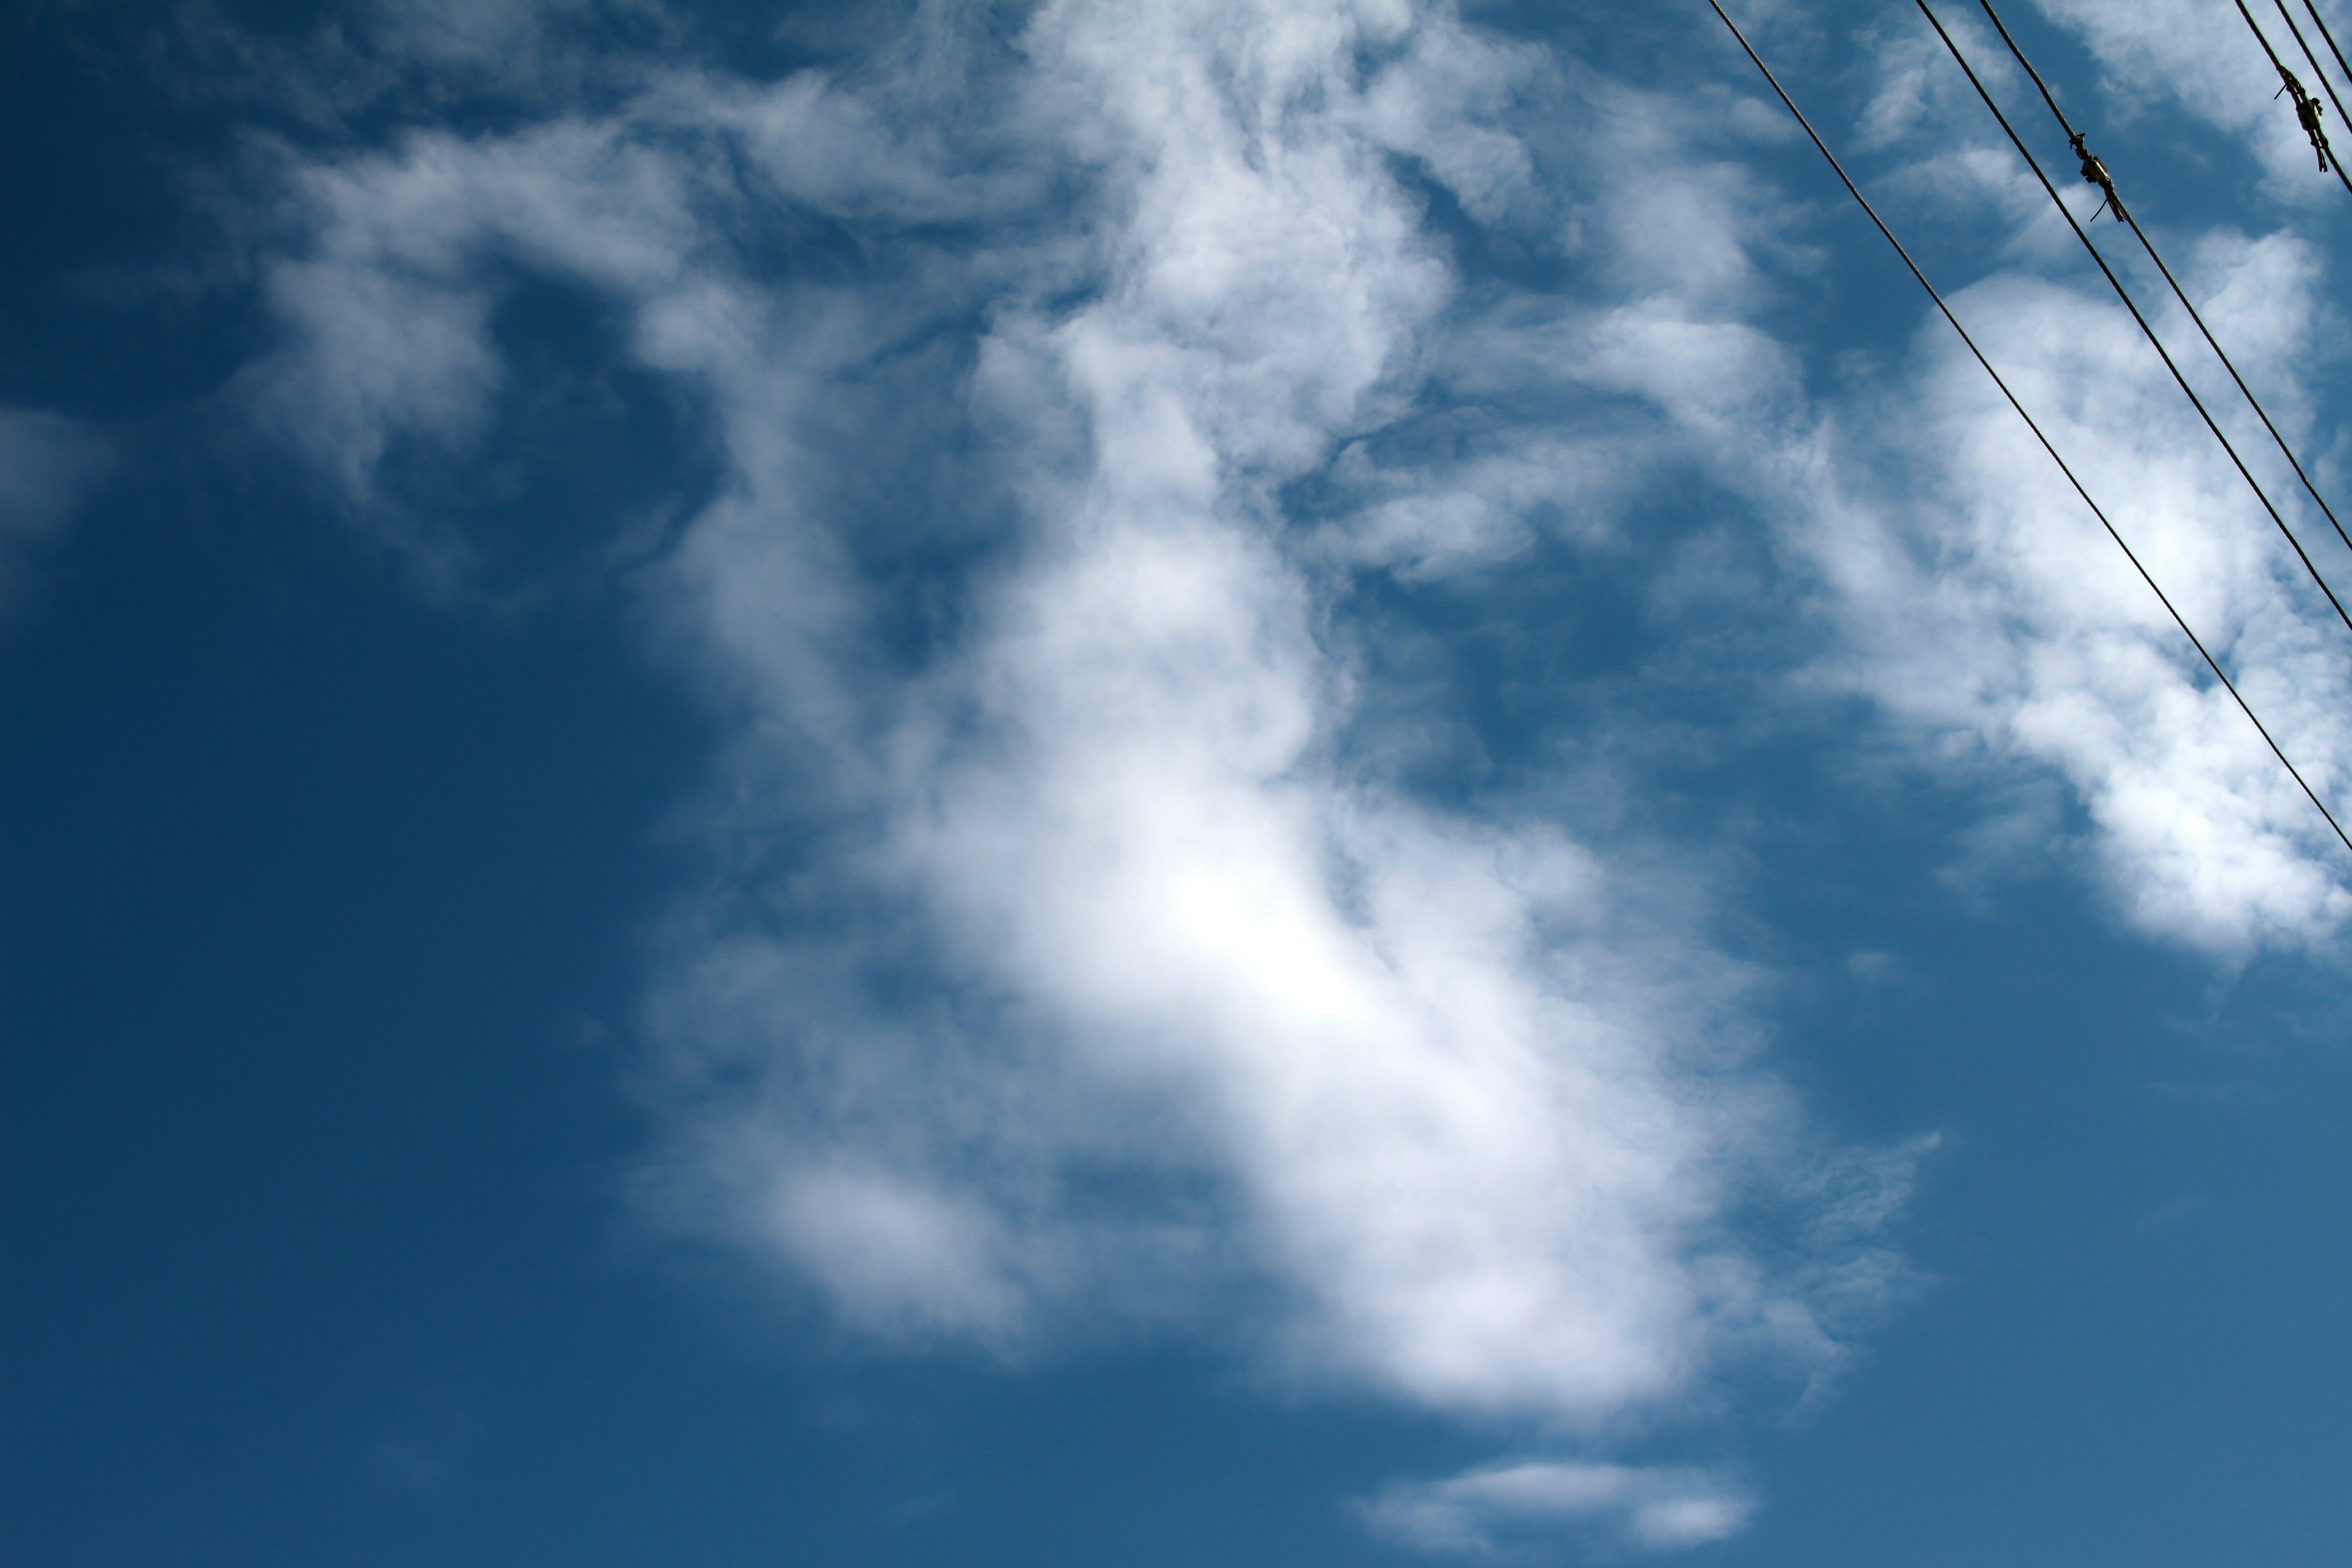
<point>312,894</point>
<point>588,461</point>
<point>127,292</point>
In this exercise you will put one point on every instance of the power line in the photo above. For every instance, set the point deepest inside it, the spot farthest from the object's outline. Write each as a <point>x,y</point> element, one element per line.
<point>2095,171</point>
<point>2306,107</point>
<point>2146,330</point>
<point>2129,555</point>
<point>2317,70</point>
<point>2321,22</point>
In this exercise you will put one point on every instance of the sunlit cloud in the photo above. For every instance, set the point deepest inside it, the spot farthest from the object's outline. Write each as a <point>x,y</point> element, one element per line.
<point>1090,943</point>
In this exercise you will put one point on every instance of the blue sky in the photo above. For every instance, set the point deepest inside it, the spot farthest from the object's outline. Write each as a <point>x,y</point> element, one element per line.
<point>1227,781</point>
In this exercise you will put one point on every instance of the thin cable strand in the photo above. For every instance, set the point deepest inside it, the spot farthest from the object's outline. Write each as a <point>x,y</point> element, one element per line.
<point>2177,292</point>
<point>2129,555</point>
<point>2129,304</point>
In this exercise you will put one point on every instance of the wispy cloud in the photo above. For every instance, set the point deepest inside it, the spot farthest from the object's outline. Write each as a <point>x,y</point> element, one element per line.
<point>1493,1512</point>
<point>1474,1101</point>
<point>1980,602</point>
<point>1091,940</point>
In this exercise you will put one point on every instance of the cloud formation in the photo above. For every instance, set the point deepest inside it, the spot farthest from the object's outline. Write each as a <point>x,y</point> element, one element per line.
<point>1109,921</point>
<point>1979,603</point>
<point>1470,1099</point>
<point>1488,1512</point>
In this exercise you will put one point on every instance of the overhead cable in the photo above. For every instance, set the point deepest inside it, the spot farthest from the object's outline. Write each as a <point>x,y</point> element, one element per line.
<point>2146,330</point>
<point>2095,171</point>
<point>2319,71</point>
<point>2321,23</point>
<point>2307,109</point>
<point>2129,555</point>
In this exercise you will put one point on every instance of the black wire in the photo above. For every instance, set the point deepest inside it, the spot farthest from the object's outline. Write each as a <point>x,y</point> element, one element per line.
<point>2149,333</point>
<point>2277,64</point>
<point>2320,71</point>
<point>2322,23</point>
<point>2177,618</point>
<point>2327,161</point>
<point>2150,246</point>
<point>2002,29</point>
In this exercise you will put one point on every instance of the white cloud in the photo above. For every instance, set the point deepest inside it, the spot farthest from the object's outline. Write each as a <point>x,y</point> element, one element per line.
<point>1070,961</point>
<point>1973,598</point>
<point>1449,1082</point>
<point>1081,951</point>
<point>1984,604</point>
<point>1488,1512</point>
<point>1468,1096</point>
